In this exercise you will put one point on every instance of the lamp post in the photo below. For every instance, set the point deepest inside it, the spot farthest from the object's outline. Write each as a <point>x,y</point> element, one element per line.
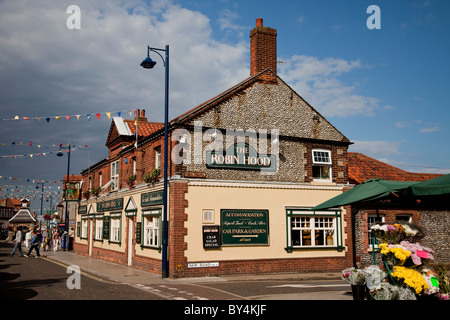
<point>148,63</point>
<point>42,199</point>
<point>60,154</point>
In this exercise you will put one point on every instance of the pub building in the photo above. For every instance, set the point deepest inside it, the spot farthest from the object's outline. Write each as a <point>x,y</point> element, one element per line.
<point>245,168</point>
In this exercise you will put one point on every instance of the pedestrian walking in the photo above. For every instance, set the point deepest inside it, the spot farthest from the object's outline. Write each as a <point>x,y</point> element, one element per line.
<point>56,238</point>
<point>27,238</point>
<point>34,244</point>
<point>18,241</point>
<point>45,239</point>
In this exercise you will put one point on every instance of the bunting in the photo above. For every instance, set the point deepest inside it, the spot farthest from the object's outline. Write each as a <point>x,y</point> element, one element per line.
<point>67,117</point>
<point>41,154</point>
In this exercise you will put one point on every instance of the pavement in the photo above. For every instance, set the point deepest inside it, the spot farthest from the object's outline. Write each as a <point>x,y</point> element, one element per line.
<point>123,274</point>
<point>113,272</point>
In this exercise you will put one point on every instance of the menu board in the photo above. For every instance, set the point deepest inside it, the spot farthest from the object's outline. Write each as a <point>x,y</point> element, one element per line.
<point>211,237</point>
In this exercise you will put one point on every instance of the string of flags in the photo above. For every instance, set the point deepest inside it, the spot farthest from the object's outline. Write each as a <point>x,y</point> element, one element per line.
<point>88,116</point>
<point>43,154</point>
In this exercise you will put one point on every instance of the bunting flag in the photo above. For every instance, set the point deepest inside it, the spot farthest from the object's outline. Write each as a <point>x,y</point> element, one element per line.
<point>77,116</point>
<point>31,155</point>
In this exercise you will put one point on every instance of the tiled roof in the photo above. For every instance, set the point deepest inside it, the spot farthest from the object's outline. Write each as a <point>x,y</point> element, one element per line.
<point>144,128</point>
<point>362,168</point>
<point>22,216</point>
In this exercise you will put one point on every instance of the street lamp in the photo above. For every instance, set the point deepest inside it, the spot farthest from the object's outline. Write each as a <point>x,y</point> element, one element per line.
<point>42,199</point>
<point>60,154</point>
<point>148,63</point>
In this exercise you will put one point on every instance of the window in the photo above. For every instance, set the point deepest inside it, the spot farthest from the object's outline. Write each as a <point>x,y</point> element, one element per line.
<point>115,229</point>
<point>403,217</point>
<point>314,230</point>
<point>157,157</point>
<point>115,175</point>
<point>321,167</point>
<point>84,228</point>
<point>151,227</point>
<point>372,219</point>
<point>98,229</point>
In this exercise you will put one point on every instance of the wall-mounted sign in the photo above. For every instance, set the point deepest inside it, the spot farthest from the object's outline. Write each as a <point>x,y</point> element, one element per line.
<point>203,265</point>
<point>82,209</point>
<point>72,191</point>
<point>244,227</point>
<point>152,198</point>
<point>211,237</point>
<point>115,204</point>
<point>241,156</point>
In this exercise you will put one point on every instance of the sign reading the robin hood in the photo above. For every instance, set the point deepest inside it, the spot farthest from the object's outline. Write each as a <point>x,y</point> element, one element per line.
<point>244,227</point>
<point>240,156</point>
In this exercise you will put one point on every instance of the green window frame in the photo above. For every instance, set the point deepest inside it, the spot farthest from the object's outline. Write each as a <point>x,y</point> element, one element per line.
<point>317,230</point>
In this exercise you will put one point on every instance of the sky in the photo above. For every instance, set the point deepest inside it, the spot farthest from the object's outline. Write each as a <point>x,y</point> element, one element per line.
<point>384,88</point>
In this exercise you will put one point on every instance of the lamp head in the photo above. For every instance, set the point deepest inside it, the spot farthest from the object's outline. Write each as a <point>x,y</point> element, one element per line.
<point>148,63</point>
<point>59,154</point>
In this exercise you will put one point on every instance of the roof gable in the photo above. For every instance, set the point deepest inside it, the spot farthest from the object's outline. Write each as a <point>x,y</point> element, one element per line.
<point>22,216</point>
<point>257,103</point>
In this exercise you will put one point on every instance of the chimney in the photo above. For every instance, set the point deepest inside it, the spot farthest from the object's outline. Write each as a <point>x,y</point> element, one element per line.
<point>140,115</point>
<point>263,48</point>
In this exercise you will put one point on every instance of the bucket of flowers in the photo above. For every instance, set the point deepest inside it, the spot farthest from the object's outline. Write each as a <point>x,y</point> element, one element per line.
<point>355,277</point>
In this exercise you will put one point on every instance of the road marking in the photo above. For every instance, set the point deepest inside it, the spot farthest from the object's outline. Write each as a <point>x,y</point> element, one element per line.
<point>82,272</point>
<point>309,285</point>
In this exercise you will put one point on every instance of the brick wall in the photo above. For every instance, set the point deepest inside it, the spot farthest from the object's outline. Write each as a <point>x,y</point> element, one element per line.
<point>263,50</point>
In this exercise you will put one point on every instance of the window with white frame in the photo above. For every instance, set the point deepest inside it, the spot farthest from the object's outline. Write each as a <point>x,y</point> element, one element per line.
<point>371,220</point>
<point>98,229</point>
<point>84,228</point>
<point>309,229</point>
<point>157,157</point>
<point>321,165</point>
<point>313,231</point>
<point>151,228</point>
<point>115,175</point>
<point>115,229</point>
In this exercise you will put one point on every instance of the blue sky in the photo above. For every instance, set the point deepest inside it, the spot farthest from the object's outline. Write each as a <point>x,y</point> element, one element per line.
<point>385,89</point>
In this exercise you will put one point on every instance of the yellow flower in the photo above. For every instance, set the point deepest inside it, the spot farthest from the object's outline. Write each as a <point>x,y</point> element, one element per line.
<point>411,278</point>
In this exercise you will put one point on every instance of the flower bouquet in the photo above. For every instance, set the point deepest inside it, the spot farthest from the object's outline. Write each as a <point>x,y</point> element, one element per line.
<point>430,277</point>
<point>396,232</point>
<point>354,276</point>
<point>383,291</point>
<point>419,254</point>
<point>394,254</point>
<point>410,278</point>
<point>374,276</point>
<point>404,294</point>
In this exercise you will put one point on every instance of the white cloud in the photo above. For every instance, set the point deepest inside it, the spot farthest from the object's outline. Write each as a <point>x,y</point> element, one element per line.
<point>99,64</point>
<point>318,82</point>
<point>377,149</point>
<point>429,129</point>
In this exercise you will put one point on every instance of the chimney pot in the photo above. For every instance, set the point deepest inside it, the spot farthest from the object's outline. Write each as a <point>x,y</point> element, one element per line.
<point>259,22</point>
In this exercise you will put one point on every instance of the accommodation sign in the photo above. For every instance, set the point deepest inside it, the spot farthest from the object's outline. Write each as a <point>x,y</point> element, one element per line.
<point>244,227</point>
<point>240,156</point>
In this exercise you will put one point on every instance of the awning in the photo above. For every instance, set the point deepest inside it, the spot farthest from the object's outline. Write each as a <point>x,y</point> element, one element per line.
<point>366,191</point>
<point>432,187</point>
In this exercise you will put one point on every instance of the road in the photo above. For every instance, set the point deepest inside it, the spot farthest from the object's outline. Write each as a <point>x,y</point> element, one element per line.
<point>47,279</point>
